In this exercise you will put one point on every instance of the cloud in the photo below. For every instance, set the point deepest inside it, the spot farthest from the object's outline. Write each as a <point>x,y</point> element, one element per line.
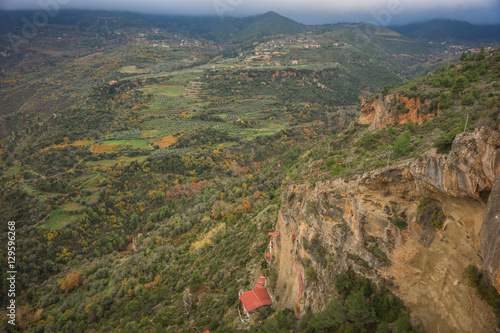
<point>310,11</point>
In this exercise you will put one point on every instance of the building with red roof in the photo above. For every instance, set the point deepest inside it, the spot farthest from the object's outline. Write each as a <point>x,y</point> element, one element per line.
<point>260,281</point>
<point>272,234</point>
<point>254,299</point>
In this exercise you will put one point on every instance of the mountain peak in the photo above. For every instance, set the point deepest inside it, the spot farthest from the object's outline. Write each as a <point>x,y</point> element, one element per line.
<point>271,13</point>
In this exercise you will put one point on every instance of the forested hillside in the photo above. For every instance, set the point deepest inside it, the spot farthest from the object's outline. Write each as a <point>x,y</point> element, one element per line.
<point>146,159</point>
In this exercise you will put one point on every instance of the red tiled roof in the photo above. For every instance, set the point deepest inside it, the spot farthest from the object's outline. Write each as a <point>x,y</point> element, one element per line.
<point>268,255</point>
<point>207,331</point>
<point>272,234</point>
<point>260,281</point>
<point>255,298</point>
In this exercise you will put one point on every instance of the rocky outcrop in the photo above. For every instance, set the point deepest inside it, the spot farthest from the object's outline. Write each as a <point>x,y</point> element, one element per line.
<point>381,112</point>
<point>490,237</point>
<point>369,224</point>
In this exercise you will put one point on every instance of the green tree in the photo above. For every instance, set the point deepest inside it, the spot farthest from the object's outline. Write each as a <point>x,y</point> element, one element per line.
<point>133,307</point>
<point>383,327</point>
<point>158,328</point>
<point>131,327</point>
<point>459,85</point>
<point>410,126</point>
<point>402,144</point>
<point>481,55</point>
<point>195,281</point>
<point>336,170</point>
<point>386,89</point>
<point>403,324</point>
<point>359,310</point>
<point>333,316</point>
<point>134,220</point>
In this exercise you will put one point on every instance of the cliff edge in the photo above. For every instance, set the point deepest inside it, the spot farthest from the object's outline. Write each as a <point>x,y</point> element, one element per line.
<point>412,228</point>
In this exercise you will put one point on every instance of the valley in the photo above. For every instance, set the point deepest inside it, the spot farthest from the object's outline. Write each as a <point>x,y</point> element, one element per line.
<point>146,159</point>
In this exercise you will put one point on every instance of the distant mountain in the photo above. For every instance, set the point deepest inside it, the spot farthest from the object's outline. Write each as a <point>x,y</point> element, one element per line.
<point>449,30</point>
<point>269,24</point>
<point>210,27</point>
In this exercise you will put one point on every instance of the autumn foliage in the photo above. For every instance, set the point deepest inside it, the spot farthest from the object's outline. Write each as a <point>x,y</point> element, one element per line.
<point>71,282</point>
<point>68,143</point>
<point>166,141</point>
<point>185,190</point>
<point>103,148</point>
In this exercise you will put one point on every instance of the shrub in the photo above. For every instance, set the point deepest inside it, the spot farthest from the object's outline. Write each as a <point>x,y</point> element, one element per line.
<point>336,170</point>
<point>265,312</point>
<point>445,102</point>
<point>443,142</point>
<point>477,93</point>
<point>468,100</point>
<point>398,222</point>
<point>367,140</point>
<point>484,288</point>
<point>429,211</point>
<point>311,274</point>
<point>379,253</point>
<point>386,89</point>
<point>400,108</point>
<point>402,145</point>
<point>410,126</point>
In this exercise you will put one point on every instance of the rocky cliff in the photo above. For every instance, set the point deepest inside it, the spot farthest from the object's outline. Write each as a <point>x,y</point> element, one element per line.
<point>394,109</point>
<point>380,224</point>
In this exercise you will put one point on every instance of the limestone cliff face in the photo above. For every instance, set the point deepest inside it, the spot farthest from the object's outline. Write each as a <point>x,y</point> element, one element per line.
<point>490,237</point>
<point>356,220</point>
<point>379,112</point>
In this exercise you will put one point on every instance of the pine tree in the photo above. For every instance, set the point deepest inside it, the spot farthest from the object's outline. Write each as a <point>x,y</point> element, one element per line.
<point>481,55</point>
<point>459,85</point>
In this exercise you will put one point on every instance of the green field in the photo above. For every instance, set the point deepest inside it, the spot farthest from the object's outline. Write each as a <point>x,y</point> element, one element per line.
<point>133,70</point>
<point>13,170</point>
<point>270,129</point>
<point>168,90</point>
<point>58,219</point>
<point>141,144</point>
<point>164,102</point>
<point>123,159</point>
<point>94,181</point>
<point>169,126</point>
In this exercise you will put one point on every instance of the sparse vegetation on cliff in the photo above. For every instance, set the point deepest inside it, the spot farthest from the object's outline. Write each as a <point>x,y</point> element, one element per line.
<point>483,288</point>
<point>429,211</point>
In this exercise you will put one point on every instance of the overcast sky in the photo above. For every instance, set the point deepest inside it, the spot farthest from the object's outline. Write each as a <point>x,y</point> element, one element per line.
<point>381,12</point>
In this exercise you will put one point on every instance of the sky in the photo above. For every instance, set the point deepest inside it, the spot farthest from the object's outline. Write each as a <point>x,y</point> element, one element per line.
<point>379,12</point>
